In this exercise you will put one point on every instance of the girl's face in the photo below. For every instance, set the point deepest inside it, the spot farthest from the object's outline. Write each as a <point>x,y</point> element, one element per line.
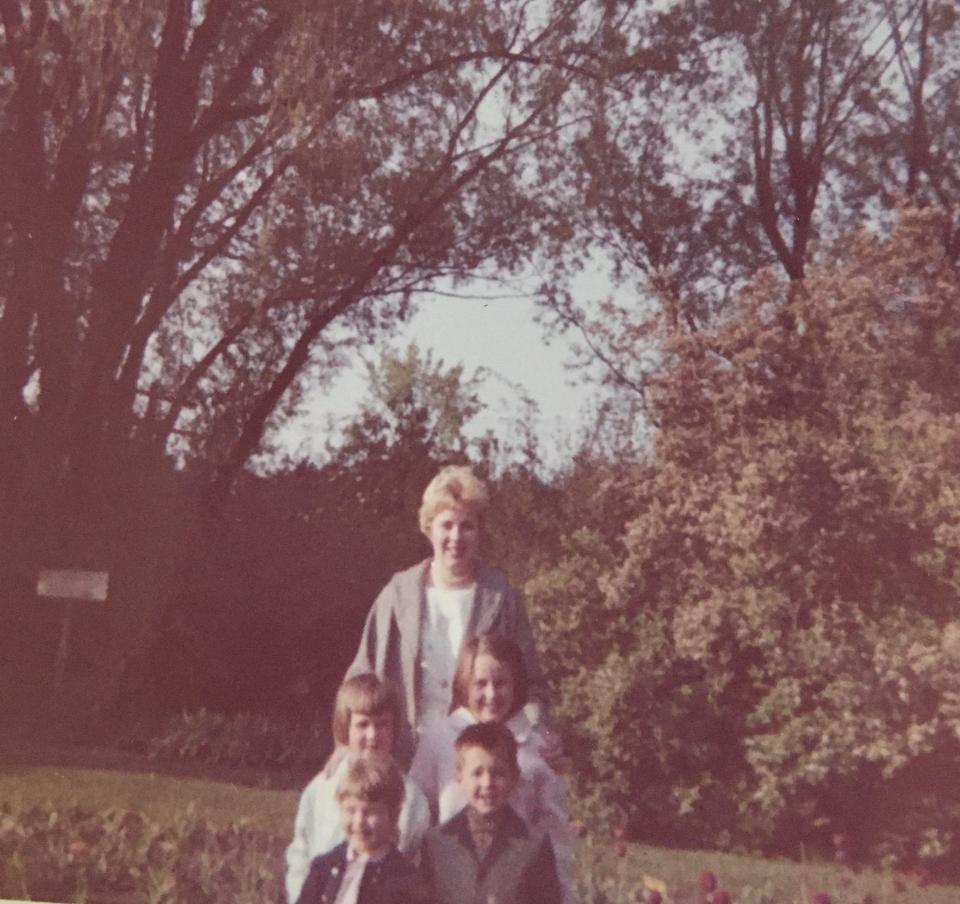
<point>490,696</point>
<point>370,734</point>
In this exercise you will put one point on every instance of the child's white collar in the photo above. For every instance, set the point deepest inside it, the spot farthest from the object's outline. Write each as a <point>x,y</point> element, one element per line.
<point>519,724</point>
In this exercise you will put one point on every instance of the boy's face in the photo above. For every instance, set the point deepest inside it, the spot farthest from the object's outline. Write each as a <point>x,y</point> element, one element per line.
<point>367,825</point>
<point>485,778</point>
<point>370,734</point>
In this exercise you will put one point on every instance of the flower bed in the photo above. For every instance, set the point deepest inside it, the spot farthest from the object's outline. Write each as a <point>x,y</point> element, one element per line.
<point>119,857</point>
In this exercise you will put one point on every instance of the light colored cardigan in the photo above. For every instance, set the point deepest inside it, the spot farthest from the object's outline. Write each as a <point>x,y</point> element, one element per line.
<point>390,644</point>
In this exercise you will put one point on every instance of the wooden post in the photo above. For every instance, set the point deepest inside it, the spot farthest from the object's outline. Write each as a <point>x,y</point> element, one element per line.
<point>60,661</point>
<point>71,586</point>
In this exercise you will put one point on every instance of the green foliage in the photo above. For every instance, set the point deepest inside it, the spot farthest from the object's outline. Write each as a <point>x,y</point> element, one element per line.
<point>244,740</point>
<point>773,656</point>
<point>270,622</point>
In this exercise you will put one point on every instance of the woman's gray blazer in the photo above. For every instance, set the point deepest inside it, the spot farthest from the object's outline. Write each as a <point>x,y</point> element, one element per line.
<point>390,644</point>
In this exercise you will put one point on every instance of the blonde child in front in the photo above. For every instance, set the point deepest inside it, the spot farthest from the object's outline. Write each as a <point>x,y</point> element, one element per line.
<point>366,717</point>
<point>490,685</point>
<point>366,868</point>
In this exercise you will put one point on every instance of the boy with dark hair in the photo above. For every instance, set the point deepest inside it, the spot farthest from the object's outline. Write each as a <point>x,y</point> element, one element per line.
<point>486,852</point>
<point>366,868</point>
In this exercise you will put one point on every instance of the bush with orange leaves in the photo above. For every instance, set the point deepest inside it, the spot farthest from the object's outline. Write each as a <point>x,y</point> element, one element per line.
<point>771,652</point>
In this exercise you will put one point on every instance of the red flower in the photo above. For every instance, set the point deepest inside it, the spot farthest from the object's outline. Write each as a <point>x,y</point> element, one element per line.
<point>868,899</point>
<point>921,875</point>
<point>820,897</point>
<point>620,849</point>
<point>706,881</point>
<point>654,897</point>
<point>839,839</point>
<point>722,897</point>
<point>76,849</point>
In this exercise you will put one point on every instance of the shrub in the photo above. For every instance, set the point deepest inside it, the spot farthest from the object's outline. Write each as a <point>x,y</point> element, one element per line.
<point>245,740</point>
<point>774,655</point>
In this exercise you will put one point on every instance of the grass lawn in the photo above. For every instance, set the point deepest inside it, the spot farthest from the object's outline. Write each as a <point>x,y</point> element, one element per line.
<point>750,880</point>
<point>158,797</point>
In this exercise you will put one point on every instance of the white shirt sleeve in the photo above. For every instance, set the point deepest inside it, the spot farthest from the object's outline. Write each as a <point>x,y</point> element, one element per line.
<point>316,829</point>
<point>298,857</point>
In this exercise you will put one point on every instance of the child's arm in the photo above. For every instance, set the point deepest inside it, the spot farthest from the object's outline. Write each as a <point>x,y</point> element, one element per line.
<point>519,630</point>
<point>298,851</point>
<point>316,829</point>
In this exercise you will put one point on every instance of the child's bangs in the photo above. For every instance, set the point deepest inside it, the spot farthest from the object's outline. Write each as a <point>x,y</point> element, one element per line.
<point>373,781</point>
<point>366,695</point>
<point>370,700</point>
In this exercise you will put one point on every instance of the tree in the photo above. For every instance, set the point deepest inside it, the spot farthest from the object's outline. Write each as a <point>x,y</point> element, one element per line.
<point>772,655</point>
<point>289,577</point>
<point>207,204</point>
<point>730,136</point>
<point>208,201</point>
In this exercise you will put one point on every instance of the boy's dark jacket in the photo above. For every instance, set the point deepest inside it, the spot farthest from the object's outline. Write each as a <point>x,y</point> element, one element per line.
<point>391,880</point>
<point>519,867</point>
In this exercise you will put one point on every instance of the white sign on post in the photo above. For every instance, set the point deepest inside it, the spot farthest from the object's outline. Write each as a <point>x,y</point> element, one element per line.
<point>73,585</point>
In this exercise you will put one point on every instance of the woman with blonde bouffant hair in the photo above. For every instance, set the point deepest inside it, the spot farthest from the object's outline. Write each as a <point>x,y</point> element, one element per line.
<point>413,634</point>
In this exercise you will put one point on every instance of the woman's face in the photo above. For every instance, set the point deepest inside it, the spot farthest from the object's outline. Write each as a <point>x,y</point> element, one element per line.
<point>455,537</point>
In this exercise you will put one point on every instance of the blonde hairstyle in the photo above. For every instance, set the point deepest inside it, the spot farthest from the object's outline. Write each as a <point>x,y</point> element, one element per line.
<point>365,694</point>
<point>506,652</point>
<point>493,737</point>
<point>454,485</point>
<point>374,779</point>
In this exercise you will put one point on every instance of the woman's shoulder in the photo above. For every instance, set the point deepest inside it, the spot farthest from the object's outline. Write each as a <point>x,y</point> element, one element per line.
<point>493,581</point>
<point>403,583</point>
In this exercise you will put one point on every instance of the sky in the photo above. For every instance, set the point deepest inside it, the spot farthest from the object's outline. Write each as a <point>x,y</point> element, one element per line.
<point>500,335</point>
